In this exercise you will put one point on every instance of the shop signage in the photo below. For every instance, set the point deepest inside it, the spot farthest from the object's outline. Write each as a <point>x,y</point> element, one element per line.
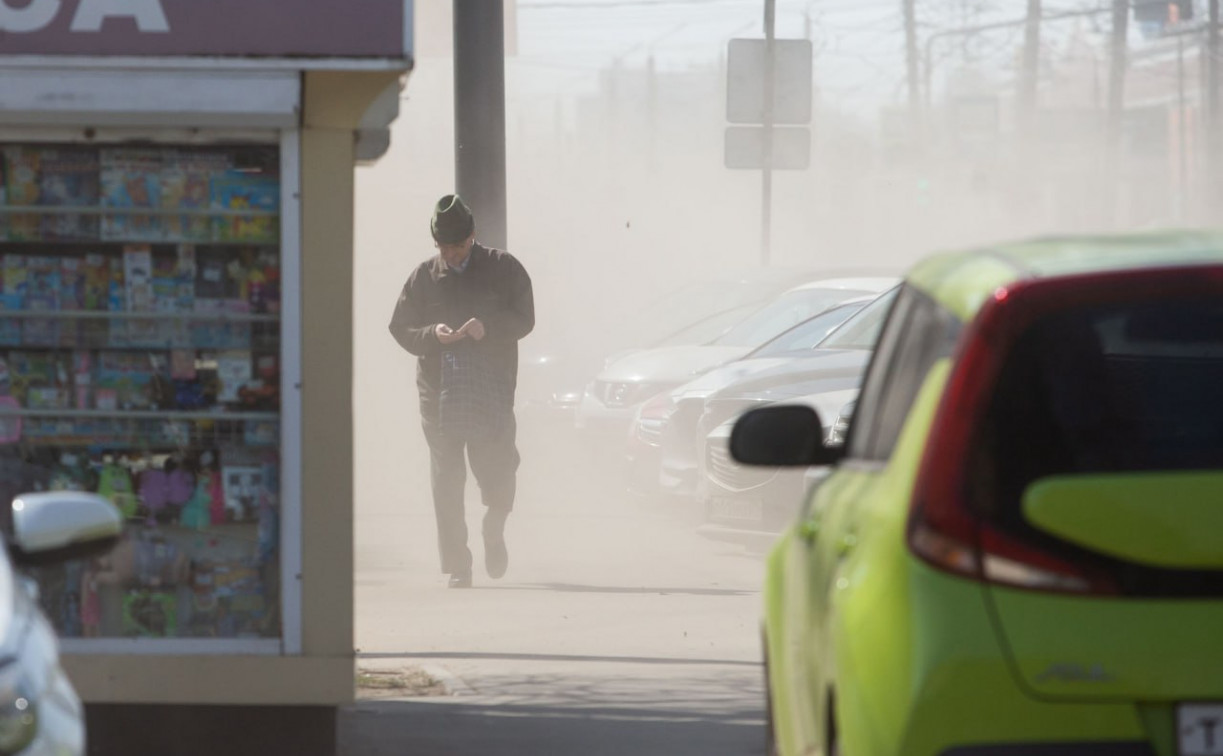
<point>261,28</point>
<point>90,14</point>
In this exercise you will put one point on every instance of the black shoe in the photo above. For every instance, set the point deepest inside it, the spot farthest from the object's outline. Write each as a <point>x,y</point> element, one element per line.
<point>460,580</point>
<point>496,557</point>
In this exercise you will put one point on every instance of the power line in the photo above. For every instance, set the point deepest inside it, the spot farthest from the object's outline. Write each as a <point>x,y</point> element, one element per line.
<point>664,4</point>
<point>615,4</point>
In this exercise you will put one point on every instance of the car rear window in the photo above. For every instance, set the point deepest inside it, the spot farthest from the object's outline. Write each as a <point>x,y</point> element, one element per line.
<point>1114,388</point>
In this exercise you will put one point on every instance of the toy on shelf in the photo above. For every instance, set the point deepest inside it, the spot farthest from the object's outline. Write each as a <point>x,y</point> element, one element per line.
<point>115,483</point>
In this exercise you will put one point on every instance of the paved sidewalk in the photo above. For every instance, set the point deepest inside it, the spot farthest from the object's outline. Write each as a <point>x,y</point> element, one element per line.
<point>617,630</point>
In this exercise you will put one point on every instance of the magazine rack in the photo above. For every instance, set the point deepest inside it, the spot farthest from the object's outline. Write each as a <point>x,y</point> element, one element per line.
<point>140,335</point>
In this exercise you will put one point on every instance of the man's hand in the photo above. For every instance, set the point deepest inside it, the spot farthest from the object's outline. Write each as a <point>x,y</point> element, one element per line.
<point>473,328</point>
<point>447,335</point>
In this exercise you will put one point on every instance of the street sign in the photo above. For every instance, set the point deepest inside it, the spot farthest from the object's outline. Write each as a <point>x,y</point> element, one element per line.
<point>744,148</point>
<point>792,82</point>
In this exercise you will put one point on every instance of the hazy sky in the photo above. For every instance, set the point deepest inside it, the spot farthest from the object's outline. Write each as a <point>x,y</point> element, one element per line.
<point>859,44</point>
<point>566,42</point>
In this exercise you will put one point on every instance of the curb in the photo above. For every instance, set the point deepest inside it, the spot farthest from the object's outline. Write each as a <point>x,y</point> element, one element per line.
<point>454,685</point>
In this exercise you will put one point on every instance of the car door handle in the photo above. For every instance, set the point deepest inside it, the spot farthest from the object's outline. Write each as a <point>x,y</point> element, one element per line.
<point>809,530</point>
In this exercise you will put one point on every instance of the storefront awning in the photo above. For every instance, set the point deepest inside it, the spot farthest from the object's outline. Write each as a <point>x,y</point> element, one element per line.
<point>162,98</point>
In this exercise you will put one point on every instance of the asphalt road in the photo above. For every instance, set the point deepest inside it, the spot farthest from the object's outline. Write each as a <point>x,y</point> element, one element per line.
<point>617,629</point>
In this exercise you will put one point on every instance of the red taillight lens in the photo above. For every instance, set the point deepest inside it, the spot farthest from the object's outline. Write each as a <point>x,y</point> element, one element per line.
<point>1009,561</point>
<point>651,419</point>
<point>944,531</point>
<point>659,407</point>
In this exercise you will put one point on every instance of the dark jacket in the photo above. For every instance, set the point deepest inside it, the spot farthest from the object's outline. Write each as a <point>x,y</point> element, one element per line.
<point>494,288</point>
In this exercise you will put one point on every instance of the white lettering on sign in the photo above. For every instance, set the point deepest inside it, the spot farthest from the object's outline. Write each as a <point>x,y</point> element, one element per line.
<point>148,14</point>
<point>37,15</point>
<point>90,14</point>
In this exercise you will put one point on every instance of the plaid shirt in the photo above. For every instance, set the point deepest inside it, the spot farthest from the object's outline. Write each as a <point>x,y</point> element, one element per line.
<point>475,397</point>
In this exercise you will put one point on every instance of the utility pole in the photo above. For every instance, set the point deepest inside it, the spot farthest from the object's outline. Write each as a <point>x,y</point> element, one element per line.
<point>479,114</point>
<point>1029,81</point>
<point>914,76</point>
<point>766,188</point>
<point>1116,102</point>
<point>1182,134</point>
<point>651,112</point>
<point>1214,104</point>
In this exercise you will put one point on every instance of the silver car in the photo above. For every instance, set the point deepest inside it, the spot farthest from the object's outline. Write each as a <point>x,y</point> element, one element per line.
<point>40,712</point>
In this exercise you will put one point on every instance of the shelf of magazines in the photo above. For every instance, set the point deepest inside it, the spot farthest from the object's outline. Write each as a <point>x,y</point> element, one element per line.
<point>89,225</point>
<point>140,358</point>
<point>199,556</point>
<point>68,194</point>
<point>199,488</point>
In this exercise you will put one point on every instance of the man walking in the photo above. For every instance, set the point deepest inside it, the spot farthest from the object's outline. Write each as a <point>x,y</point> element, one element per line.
<point>462,313</point>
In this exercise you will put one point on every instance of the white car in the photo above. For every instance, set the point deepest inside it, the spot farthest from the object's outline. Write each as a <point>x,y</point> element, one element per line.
<point>40,712</point>
<point>739,499</point>
<point>610,401</point>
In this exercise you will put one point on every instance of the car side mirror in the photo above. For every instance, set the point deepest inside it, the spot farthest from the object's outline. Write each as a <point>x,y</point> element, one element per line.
<point>57,526</point>
<point>783,435</point>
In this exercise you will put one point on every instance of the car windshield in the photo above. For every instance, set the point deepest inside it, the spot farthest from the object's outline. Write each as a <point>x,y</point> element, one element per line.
<point>692,305</point>
<point>783,313</point>
<point>862,330</point>
<point>808,334</point>
<point>707,329</point>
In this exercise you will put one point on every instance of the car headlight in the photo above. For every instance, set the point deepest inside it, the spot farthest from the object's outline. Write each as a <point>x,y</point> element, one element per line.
<point>18,708</point>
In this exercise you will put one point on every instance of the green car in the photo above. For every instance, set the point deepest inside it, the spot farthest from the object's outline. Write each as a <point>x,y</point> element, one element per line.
<point>1019,549</point>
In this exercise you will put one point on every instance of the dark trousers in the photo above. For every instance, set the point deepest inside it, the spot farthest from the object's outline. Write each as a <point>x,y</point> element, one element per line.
<point>494,461</point>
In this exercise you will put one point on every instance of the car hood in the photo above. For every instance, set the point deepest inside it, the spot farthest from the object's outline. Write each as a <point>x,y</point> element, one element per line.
<point>724,375</point>
<point>827,404</point>
<point>817,372</point>
<point>668,364</point>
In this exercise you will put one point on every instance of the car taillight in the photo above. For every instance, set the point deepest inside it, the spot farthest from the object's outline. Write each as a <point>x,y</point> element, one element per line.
<point>651,419</point>
<point>658,407</point>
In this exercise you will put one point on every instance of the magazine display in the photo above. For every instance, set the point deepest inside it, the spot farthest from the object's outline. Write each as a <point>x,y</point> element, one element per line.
<point>139,359</point>
<point>220,201</point>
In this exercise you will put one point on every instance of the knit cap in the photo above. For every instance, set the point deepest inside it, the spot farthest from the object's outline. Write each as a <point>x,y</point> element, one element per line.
<point>452,221</point>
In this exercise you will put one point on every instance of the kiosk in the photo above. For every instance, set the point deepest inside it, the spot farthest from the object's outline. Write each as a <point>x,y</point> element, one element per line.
<point>176,253</point>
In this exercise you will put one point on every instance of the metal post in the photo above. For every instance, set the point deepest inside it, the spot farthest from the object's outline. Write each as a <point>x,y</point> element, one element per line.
<point>1214,105</point>
<point>1031,66</point>
<point>1182,148</point>
<point>766,189</point>
<point>651,113</point>
<point>1116,104</point>
<point>479,115</point>
<point>910,16</point>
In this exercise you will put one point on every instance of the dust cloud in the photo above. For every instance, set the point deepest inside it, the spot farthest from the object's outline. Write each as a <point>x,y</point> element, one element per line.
<point>618,194</point>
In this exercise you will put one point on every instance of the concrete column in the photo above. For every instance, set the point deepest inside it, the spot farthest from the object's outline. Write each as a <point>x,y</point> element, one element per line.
<point>479,115</point>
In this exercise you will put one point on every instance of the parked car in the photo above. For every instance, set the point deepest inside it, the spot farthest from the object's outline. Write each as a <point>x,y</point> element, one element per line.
<point>656,420</point>
<point>836,363</point>
<point>40,712</point>
<point>1017,548</point>
<point>611,399</point>
<point>560,356</point>
<point>738,500</point>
